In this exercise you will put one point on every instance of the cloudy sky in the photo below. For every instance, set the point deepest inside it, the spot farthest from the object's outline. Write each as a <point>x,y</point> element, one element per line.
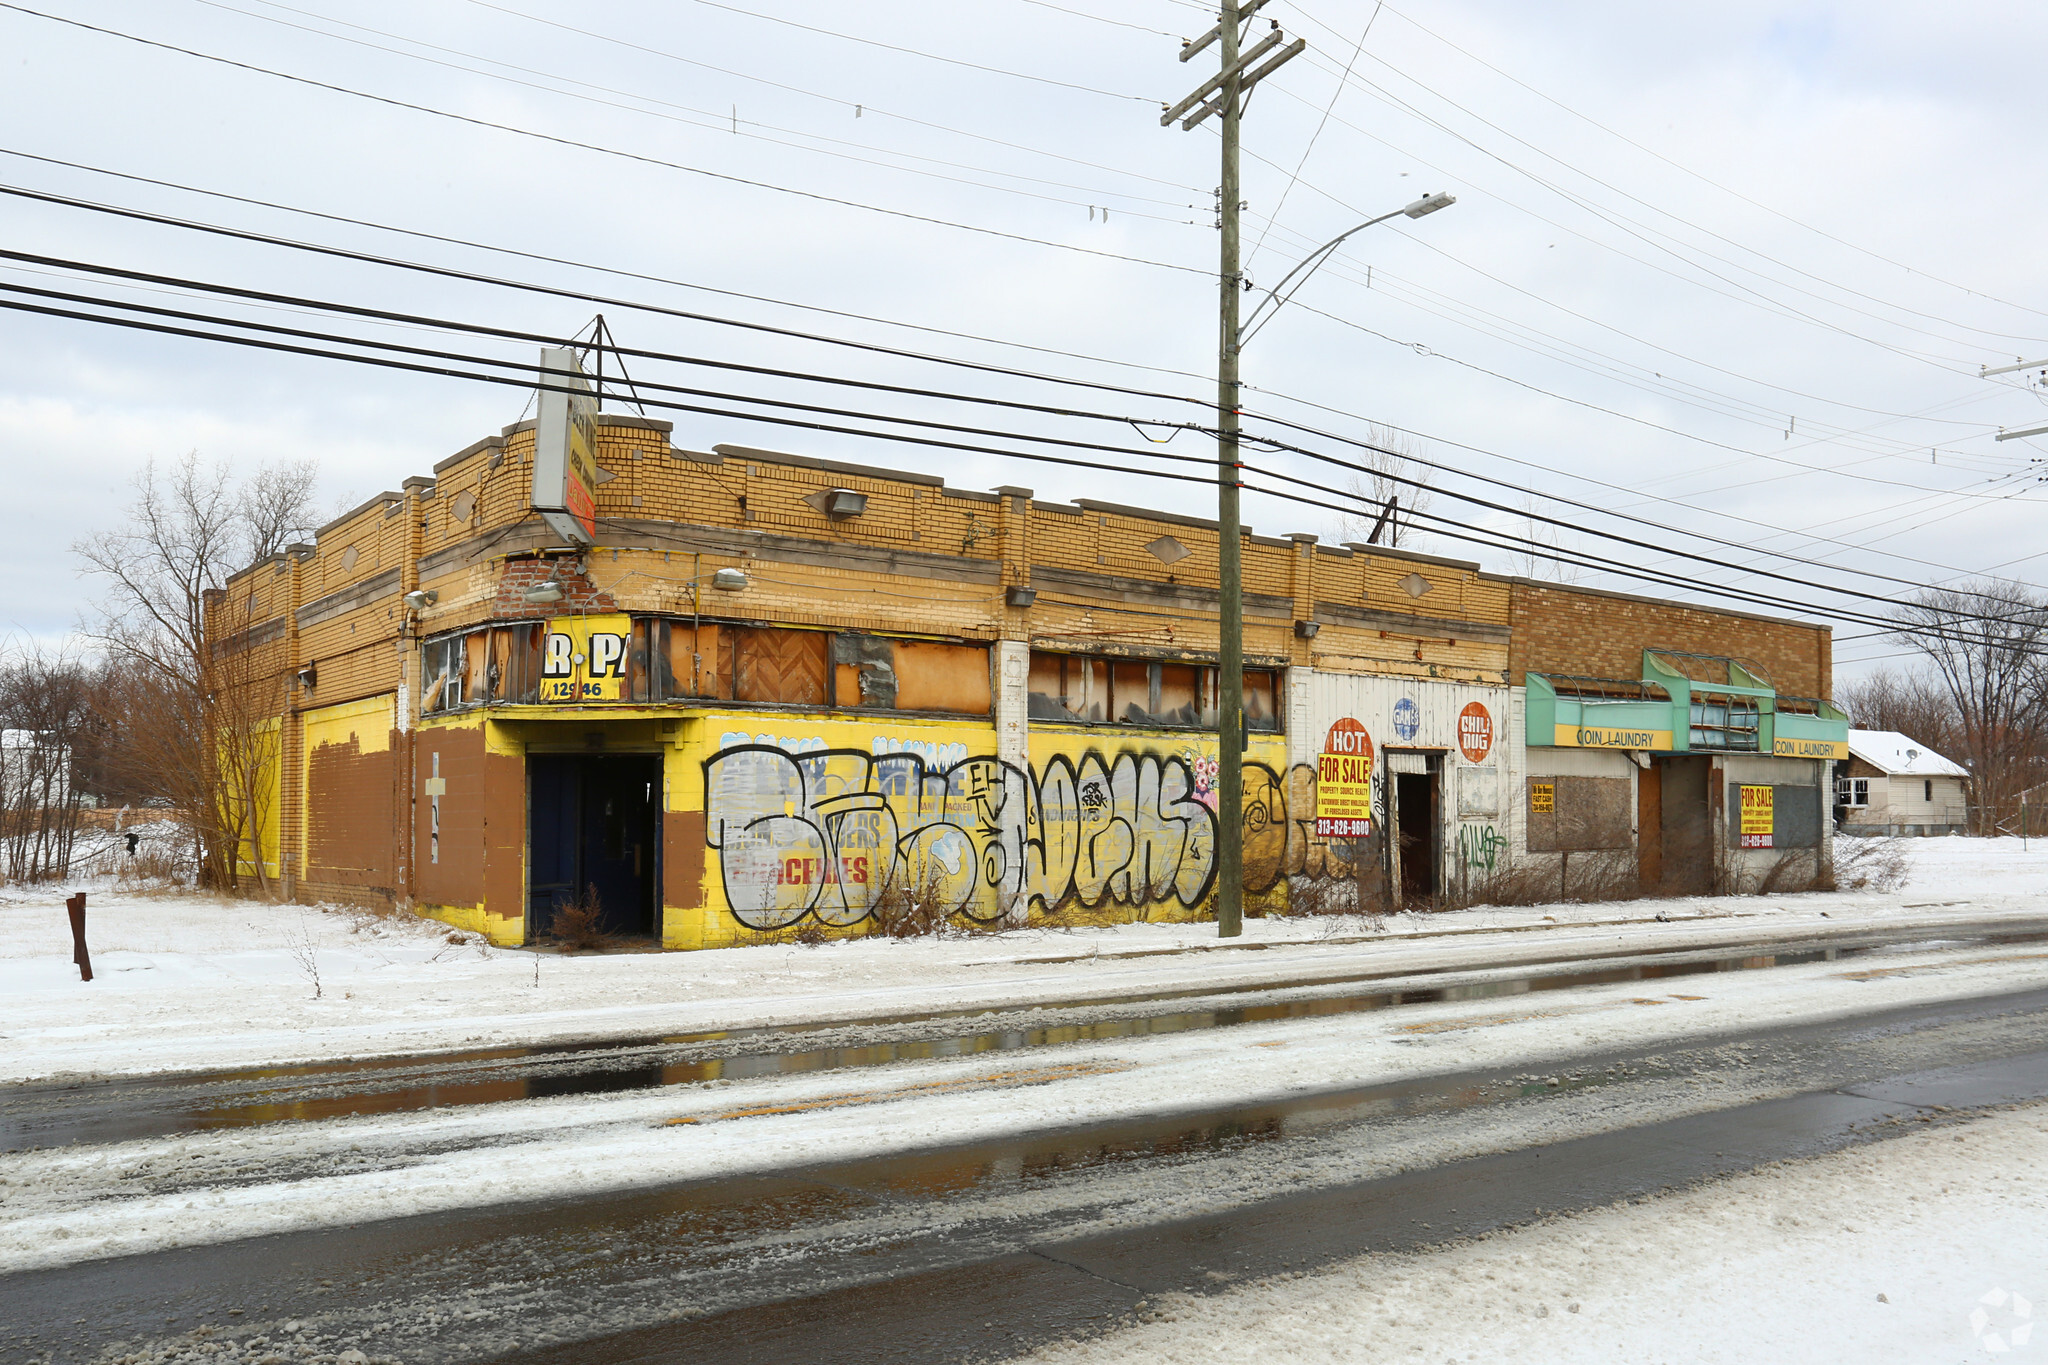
<point>1730,269</point>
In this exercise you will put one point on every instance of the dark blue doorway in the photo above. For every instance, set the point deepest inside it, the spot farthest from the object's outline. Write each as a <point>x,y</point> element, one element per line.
<point>594,826</point>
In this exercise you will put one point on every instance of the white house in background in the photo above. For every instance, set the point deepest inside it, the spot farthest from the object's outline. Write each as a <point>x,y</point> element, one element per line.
<point>1893,784</point>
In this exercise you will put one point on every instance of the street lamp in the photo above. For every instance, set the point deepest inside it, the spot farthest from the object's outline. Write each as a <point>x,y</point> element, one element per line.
<point>1279,293</point>
<point>1231,737</point>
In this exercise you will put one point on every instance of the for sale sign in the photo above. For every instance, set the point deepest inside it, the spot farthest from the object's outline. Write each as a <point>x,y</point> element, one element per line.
<point>1759,807</point>
<point>1344,783</point>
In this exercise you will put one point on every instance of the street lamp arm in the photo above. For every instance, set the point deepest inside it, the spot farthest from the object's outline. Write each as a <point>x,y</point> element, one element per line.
<point>1277,296</point>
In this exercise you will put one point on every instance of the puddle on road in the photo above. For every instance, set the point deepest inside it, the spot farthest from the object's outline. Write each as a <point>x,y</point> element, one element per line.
<point>265,1097</point>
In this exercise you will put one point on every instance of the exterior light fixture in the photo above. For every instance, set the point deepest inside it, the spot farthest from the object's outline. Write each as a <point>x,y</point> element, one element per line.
<point>1019,596</point>
<point>1306,630</point>
<point>308,676</point>
<point>1429,204</point>
<point>730,580</point>
<point>840,504</point>
<point>541,594</point>
<point>419,599</point>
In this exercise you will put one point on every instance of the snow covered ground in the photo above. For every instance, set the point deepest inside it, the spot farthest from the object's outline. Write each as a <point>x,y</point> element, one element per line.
<point>1932,1247</point>
<point>74,1203</point>
<point>185,982</point>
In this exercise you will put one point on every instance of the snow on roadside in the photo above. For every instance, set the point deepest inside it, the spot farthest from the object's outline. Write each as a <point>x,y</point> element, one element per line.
<point>1927,1247</point>
<point>186,982</point>
<point>85,1202</point>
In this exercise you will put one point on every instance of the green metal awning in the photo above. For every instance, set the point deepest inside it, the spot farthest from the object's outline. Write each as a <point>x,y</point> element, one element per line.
<point>1669,710</point>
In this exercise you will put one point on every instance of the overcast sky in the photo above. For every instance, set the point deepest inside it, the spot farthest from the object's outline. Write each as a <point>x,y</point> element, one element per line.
<point>1733,268</point>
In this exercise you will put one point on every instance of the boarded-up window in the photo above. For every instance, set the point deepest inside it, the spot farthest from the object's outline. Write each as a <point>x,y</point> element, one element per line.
<point>931,676</point>
<point>1585,813</point>
<point>515,658</point>
<point>1069,687</point>
<point>774,665</point>
<point>1261,699</point>
<point>476,666</point>
<point>1078,687</point>
<point>1795,816</point>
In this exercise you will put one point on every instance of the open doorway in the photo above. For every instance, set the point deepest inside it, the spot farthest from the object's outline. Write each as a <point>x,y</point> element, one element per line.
<point>1416,781</point>
<point>594,825</point>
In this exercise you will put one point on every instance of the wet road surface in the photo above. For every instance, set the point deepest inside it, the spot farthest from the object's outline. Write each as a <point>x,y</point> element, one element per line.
<point>38,1116</point>
<point>980,1251</point>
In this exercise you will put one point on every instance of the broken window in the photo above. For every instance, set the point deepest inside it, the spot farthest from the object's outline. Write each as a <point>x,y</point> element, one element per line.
<point>1090,689</point>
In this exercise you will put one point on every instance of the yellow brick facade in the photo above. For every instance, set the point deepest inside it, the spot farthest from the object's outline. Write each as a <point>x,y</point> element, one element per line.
<point>921,560</point>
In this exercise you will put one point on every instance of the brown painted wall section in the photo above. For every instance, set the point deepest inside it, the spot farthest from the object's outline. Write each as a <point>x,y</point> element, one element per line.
<point>454,875</point>
<point>351,829</point>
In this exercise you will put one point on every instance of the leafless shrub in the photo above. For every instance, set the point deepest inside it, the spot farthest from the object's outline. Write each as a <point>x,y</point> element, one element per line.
<point>153,869</point>
<point>912,907</point>
<point>578,924</point>
<point>1865,865</point>
<point>1587,877</point>
<point>303,945</point>
<point>1336,902</point>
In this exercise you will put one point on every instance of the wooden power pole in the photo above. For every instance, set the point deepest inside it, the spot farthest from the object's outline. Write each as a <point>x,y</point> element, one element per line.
<point>1223,94</point>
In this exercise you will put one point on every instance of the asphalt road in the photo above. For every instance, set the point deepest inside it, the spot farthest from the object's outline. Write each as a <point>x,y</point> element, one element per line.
<point>979,1252</point>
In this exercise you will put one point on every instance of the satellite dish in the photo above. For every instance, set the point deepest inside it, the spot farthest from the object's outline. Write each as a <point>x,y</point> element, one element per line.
<point>1912,753</point>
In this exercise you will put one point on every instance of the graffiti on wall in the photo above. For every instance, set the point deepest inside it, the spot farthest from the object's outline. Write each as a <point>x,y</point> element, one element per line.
<point>1480,847</point>
<point>802,829</point>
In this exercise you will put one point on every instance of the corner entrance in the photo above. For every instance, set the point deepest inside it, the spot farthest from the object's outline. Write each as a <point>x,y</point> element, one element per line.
<point>593,828</point>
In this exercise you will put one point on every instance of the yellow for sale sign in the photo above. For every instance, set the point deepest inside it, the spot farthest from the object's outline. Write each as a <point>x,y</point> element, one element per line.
<point>1344,783</point>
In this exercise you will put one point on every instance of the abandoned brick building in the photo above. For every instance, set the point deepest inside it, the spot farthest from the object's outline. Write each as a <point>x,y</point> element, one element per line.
<point>771,687</point>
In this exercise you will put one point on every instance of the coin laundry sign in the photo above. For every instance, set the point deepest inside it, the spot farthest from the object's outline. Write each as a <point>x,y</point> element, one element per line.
<point>1344,783</point>
<point>584,658</point>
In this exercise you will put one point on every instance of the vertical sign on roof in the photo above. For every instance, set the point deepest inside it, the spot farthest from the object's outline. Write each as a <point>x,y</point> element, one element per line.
<point>565,449</point>
<point>1759,808</point>
<point>1344,783</point>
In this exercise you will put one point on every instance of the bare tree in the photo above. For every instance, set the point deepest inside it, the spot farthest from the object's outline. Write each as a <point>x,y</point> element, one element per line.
<point>192,713</point>
<point>1985,641</point>
<point>1393,487</point>
<point>45,710</point>
<point>1908,703</point>
<point>1543,552</point>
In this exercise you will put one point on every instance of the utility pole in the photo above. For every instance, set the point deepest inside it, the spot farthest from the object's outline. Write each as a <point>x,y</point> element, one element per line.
<point>1223,94</point>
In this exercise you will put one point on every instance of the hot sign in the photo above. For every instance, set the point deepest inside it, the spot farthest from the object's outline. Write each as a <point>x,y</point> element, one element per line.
<point>1344,783</point>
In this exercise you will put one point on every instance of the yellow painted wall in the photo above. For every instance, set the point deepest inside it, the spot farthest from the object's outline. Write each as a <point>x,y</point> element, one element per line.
<point>807,819</point>
<point>262,835</point>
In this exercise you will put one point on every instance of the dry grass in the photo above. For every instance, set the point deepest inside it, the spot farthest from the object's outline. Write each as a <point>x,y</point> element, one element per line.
<point>578,924</point>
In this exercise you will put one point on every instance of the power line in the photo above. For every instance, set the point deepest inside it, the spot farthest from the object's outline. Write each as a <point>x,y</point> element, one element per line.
<point>1706,180</point>
<point>236,233</point>
<point>929,56</point>
<point>1470,533</point>
<point>706,119</point>
<point>851,105</point>
<point>602,150</point>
